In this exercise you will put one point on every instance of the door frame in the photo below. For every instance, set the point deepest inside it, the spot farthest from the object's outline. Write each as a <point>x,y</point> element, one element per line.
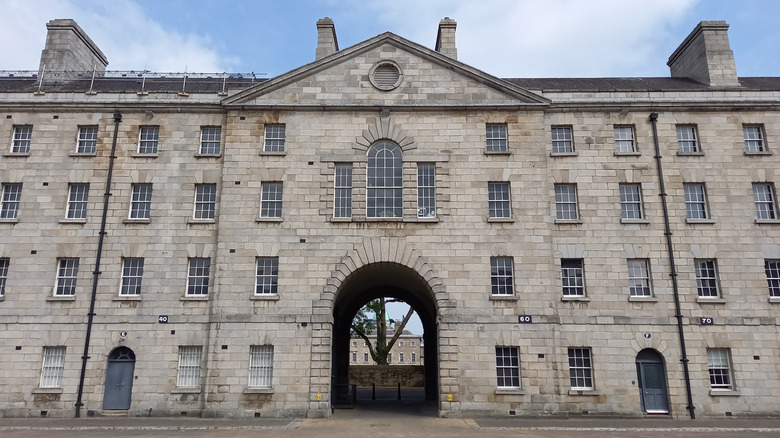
<point>119,355</point>
<point>651,356</point>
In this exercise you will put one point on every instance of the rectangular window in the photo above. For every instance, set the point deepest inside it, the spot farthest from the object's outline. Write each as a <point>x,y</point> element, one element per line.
<point>507,367</point>
<point>771,266</point>
<point>271,199</point>
<point>414,358</point>
<point>342,198</point>
<point>205,201</point>
<point>77,201</point>
<point>52,367</point>
<point>495,137</point>
<point>498,200</point>
<point>400,358</point>
<point>719,367</point>
<point>267,278</point>
<point>766,202</point>
<point>274,138</point>
<point>566,202</point>
<point>12,195</point>
<point>562,140</point>
<point>389,357</point>
<point>87,141</point>
<point>695,201</point>
<point>572,278</point>
<point>707,278</point>
<point>354,357</point>
<point>148,139</point>
<point>189,366</point>
<point>501,276</point>
<point>631,201</point>
<point>624,140</point>
<point>132,274</point>
<point>22,138</point>
<point>67,272</point>
<point>754,139</point>
<point>4,262</point>
<point>426,190</point>
<point>580,369</point>
<point>141,201</point>
<point>639,278</point>
<point>198,277</point>
<point>261,366</point>
<point>210,140</point>
<point>687,140</point>
<point>365,357</point>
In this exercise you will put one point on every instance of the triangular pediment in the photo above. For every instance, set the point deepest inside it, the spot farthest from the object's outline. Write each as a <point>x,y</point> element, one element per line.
<point>353,78</point>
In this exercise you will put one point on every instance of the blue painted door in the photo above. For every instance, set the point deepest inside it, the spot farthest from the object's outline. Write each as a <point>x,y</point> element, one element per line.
<point>119,383</point>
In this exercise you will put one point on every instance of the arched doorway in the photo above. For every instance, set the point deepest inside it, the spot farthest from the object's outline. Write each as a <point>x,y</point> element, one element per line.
<point>651,374</point>
<point>375,280</point>
<point>119,379</point>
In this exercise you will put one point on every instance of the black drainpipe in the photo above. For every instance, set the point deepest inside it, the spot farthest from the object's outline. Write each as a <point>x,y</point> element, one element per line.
<point>96,272</point>
<point>673,274</point>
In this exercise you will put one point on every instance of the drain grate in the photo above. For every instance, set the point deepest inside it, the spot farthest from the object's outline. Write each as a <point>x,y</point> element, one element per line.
<point>380,425</point>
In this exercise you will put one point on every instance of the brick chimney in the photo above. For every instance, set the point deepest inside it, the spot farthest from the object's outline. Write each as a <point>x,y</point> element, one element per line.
<point>69,49</point>
<point>445,39</point>
<point>706,56</point>
<point>326,38</point>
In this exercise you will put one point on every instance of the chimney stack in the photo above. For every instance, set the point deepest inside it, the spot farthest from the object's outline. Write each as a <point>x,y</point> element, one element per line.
<point>705,56</point>
<point>327,43</point>
<point>69,49</point>
<point>445,39</point>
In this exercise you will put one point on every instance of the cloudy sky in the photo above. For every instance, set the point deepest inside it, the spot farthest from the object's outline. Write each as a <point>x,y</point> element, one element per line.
<point>506,38</point>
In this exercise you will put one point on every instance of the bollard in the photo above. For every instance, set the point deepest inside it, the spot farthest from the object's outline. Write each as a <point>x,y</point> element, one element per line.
<point>399,390</point>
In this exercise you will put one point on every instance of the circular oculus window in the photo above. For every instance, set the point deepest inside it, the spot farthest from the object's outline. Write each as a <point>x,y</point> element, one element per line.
<point>385,75</point>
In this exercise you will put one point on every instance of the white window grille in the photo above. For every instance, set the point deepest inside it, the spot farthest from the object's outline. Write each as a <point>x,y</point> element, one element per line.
<point>274,138</point>
<point>78,194</point>
<point>426,190</point>
<point>501,276</point>
<point>210,140</point>
<point>572,278</point>
<point>4,262</point>
<point>205,206</point>
<point>22,139</point>
<point>198,277</point>
<point>507,367</point>
<point>384,181</point>
<point>707,278</point>
<point>141,201</point>
<point>566,202</point>
<point>148,139</point>
<point>580,369</point>
<point>687,139</point>
<point>342,199</point>
<point>631,201</point>
<point>9,205</point>
<point>495,138</point>
<point>261,366</point>
<point>52,367</point>
<point>771,267</point>
<point>754,139</point>
<point>271,200</point>
<point>562,142</point>
<point>695,201</point>
<point>132,274</point>
<point>499,204</point>
<point>766,202</point>
<point>639,278</point>
<point>67,273</point>
<point>87,141</point>
<point>189,366</point>
<point>267,278</point>
<point>624,140</point>
<point>719,367</point>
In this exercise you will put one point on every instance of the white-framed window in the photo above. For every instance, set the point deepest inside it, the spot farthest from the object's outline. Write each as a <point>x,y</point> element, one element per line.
<point>771,267</point>
<point>412,343</point>
<point>67,273</point>
<point>414,358</point>
<point>210,140</point>
<point>22,139</point>
<point>766,201</point>
<point>205,205</point>
<point>502,280</point>
<point>132,274</point>
<point>261,366</point>
<point>365,357</point>
<point>188,374</point>
<point>87,141</point>
<point>719,368</point>
<point>754,139</point>
<point>271,199</point>
<point>342,195</point>
<point>384,181</point>
<point>507,367</point>
<point>566,202</point>
<point>198,276</point>
<point>401,343</point>
<point>141,201</point>
<point>572,278</point>
<point>562,142</point>
<point>695,201</point>
<point>624,140</point>
<point>148,139</point>
<point>426,190</point>
<point>495,137</point>
<point>9,205</point>
<point>639,278</point>
<point>707,278</point>
<point>354,357</point>
<point>687,139</point>
<point>631,201</point>
<point>580,369</point>
<point>4,263</point>
<point>400,358</point>
<point>499,200</point>
<point>77,201</point>
<point>274,138</point>
<point>52,367</point>
<point>267,276</point>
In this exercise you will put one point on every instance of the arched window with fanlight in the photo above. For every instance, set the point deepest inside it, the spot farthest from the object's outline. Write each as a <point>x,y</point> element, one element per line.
<point>384,181</point>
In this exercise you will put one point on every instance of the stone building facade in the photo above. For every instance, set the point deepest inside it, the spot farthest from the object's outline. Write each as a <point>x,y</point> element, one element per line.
<point>408,350</point>
<point>573,246</point>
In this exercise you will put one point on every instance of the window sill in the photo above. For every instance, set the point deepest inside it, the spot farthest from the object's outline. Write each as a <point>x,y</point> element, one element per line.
<point>208,155</point>
<point>760,154</point>
<point>690,154</point>
<point>47,391</point>
<point>83,155</point>
<point>384,219</point>
<point>575,298</point>
<point>268,219</point>
<point>775,300</point>
<point>140,155</point>
<point>61,298</point>
<point>563,154</point>
<point>634,221</point>
<point>500,220</point>
<point>127,298</point>
<point>724,393</point>
<point>136,221</point>
<point>703,300</point>
<point>423,219</point>
<point>9,221</point>
<point>509,391</point>
<point>186,390</point>
<point>258,390</point>
<point>768,221</point>
<point>627,154</point>
<point>584,392</point>
<point>639,299</point>
<point>73,221</point>
<point>507,152</point>
<point>341,219</point>
<point>16,154</point>
<point>273,154</point>
<point>265,297</point>
<point>700,221</point>
<point>496,297</point>
<point>194,298</point>
<point>193,221</point>
<point>568,221</point>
